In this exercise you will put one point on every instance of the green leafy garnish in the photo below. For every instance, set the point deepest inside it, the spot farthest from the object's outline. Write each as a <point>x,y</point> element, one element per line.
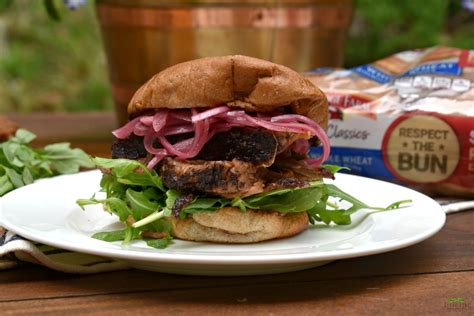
<point>21,164</point>
<point>159,243</point>
<point>204,204</point>
<point>115,235</point>
<point>285,200</point>
<point>130,172</point>
<point>334,168</point>
<point>138,197</point>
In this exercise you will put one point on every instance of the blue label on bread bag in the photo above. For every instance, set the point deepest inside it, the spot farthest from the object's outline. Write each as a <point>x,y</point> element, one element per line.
<point>363,162</point>
<point>373,73</point>
<point>449,68</point>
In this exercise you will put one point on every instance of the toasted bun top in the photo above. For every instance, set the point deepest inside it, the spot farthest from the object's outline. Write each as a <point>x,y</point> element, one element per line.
<point>238,81</point>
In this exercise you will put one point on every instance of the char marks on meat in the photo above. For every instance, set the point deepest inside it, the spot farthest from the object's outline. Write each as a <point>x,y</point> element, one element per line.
<point>180,202</point>
<point>286,183</point>
<point>285,166</point>
<point>232,178</point>
<point>129,148</point>
<point>221,178</point>
<point>254,145</point>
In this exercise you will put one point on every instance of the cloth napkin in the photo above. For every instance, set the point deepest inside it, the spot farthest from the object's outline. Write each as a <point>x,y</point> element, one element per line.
<point>16,251</point>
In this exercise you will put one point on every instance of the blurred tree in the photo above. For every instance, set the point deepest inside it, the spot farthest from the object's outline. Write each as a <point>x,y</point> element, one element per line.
<point>383,27</point>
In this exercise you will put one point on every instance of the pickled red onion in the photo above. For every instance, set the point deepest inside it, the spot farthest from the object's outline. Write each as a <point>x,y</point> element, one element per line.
<point>125,131</point>
<point>154,161</point>
<point>207,123</point>
<point>209,113</point>
<point>159,120</point>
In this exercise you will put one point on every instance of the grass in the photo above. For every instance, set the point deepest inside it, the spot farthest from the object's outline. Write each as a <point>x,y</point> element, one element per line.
<point>60,66</point>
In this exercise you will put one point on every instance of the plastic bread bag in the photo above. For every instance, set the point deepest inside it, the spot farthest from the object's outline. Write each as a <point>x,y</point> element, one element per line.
<point>408,118</point>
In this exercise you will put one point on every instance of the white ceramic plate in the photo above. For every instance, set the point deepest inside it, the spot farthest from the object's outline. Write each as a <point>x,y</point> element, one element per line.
<point>46,212</point>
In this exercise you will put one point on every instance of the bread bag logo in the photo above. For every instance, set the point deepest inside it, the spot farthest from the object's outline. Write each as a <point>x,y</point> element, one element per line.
<point>421,148</point>
<point>340,101</point>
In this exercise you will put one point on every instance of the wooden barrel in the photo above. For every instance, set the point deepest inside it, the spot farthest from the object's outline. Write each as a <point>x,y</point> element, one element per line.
<point>142,37</point>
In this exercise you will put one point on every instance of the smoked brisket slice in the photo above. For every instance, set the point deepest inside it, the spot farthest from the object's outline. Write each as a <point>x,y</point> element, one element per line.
<point>129,148</point>
<point>233,178</point>
<point>287,167</point>
<point>254,145</point>
<point>221,178</point>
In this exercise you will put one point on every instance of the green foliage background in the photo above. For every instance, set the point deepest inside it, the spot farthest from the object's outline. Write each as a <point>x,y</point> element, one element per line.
<point>383,27</point>
<point>51,66</point>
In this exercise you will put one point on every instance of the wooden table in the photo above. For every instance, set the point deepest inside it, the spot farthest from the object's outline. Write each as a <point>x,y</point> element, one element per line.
<point>418,280</point>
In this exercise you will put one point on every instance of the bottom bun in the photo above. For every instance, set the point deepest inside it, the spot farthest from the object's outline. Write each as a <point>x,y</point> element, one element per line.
<point>231,225</point>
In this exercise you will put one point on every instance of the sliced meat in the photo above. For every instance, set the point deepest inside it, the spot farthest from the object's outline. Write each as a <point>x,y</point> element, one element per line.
<point>129,148</point>
<point>286,139</point>
<point>292,168</point>
<point>181,202</point>
<point>222,178</point>
<point>247,144</point>
<point>234,178</point>
<point>286,183</point>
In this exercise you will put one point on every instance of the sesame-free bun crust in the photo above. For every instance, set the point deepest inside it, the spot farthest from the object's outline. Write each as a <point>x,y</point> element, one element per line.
<point>230,225</point>
<point>243,82</point>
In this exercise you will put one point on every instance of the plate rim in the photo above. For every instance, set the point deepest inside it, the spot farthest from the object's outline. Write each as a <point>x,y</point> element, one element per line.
<point>228,259</point>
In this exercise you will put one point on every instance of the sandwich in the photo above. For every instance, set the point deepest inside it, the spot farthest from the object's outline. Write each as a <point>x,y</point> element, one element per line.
<point>216,150</point>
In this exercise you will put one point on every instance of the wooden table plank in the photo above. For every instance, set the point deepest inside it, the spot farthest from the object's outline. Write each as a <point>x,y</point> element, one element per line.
<point>53,127</point>
<point>90,131</point>
<point>407,295</point>
<point>450,250</point>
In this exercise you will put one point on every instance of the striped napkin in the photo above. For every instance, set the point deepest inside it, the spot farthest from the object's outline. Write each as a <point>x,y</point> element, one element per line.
<point>16,251</point>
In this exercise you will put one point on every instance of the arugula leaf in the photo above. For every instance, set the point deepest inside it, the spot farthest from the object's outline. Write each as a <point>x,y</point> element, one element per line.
<point>14,177</point>
<point>64,159</point>
<point>159,243</point>
<point>160,225</point>
<point>5,183</point>
<point>286,200</point>
<point>115,235</point>
<point>396,205</point>
<point>131,172</point>
<point>334,168</point>
<point>171,196</point>
<point>204,204</point>
<point>22,136</point>
<point>130,234</point>
<point>9,152</point>
<point>22,164</point>
<point>119,235</point>
<point>139,202</point>
<point>339,217</point>
<point>326,212</point>
<point>336,192</point>
<point>26,176</point>
<point>112,204</point>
